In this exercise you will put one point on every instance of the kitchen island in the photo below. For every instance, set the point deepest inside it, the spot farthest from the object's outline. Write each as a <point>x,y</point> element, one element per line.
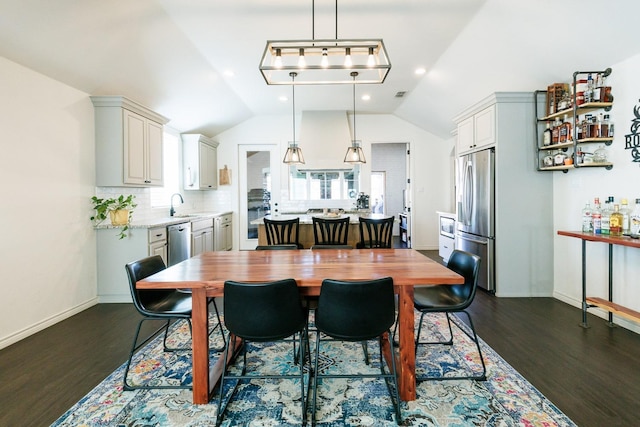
<point>306,226</point>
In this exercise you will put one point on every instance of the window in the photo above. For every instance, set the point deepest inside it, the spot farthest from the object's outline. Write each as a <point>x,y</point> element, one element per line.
<point>161,197</point>
<point>323,184</point>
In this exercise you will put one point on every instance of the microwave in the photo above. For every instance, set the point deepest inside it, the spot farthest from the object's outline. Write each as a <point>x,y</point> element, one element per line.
<point>447,226</point>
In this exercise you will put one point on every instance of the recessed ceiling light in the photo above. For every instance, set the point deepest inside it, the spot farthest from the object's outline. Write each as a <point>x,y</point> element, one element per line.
<point>229,73</point>
<point>283,98</point>
<point>366,97</point>
<point>420,71</point>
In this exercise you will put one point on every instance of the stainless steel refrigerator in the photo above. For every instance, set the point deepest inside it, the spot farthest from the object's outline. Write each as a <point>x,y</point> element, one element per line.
<point>475,196</point>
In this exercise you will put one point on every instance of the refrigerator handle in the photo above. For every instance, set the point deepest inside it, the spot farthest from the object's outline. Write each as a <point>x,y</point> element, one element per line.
<point>467,194</point>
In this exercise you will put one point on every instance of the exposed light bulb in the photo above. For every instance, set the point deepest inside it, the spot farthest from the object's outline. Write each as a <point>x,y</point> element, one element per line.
<point>301,61</point>
<point>371,61</point>
<point>347,58</point>
<point>278,61</point>
<point>324,63</point>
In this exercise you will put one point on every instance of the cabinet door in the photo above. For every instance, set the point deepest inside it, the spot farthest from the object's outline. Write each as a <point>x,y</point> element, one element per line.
<point>208,167</point>
<point>197,243</point>
<point>134,148</point>
<point>485,127</point>
<point>159,248</point>
<point>154,157</point>
<point>208,240</point>
<point>465,142</point>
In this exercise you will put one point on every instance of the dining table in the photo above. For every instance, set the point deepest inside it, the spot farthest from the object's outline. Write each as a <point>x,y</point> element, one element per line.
<point>205,274</point>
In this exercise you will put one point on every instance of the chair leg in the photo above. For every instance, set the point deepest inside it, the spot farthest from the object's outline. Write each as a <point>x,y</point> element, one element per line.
<point>393,392</point>
<point>315,380</point>
<point>135,346</point>
<point>365,350</point>
<point>473,336</point>
<point>418,342</point>
<point>218,325</point>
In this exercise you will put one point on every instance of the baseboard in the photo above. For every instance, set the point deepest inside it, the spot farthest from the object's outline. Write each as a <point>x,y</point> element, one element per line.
<point>115,299</point>
<point>45,323</point>
<point>622,322</point>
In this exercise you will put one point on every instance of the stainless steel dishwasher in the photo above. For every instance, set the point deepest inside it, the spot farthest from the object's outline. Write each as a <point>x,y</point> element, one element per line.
<point>179,242</point>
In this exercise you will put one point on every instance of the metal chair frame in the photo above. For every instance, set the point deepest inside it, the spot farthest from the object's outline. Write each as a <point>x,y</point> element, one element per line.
<point>357,311</point>
<point>149,266</point>
<point>467,265</point>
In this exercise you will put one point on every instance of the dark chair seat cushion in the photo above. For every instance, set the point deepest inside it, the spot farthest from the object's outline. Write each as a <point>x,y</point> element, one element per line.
<point>438,297</point>
<point>171,304</point>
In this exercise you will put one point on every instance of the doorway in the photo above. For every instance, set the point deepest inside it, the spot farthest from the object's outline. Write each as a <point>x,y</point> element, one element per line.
<point>259,188</point>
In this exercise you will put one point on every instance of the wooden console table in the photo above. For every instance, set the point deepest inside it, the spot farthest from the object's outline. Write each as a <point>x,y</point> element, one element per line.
<point>608,305</point>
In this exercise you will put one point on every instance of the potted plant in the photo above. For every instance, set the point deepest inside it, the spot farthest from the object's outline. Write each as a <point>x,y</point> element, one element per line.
<point>119,210</point>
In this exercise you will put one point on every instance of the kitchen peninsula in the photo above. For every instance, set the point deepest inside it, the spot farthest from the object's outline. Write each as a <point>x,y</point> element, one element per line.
<point>306,226</point>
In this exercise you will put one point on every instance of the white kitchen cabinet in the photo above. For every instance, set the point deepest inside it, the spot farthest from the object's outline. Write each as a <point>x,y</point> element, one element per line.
<point>200,162</point>
<point>158,242</point>
<point>224,234</point>
<point>477,131</point>
<point>114,253</point>
<point>201,236</point>
<point>128,143</point>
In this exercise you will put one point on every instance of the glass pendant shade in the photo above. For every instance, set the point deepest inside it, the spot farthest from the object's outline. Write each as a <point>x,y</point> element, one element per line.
<point>355,154</point>
<point>293,156</point>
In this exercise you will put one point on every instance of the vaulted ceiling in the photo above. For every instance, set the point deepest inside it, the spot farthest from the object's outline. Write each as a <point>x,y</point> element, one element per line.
<point>196,61</point>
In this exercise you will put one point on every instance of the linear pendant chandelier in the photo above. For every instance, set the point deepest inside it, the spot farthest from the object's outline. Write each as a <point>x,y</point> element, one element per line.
<point>325,61</point>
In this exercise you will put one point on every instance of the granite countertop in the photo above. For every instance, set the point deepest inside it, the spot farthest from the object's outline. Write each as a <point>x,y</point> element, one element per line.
<point>165,221</point>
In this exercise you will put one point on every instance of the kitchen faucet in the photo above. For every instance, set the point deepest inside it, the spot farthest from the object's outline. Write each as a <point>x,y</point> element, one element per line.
<point>172,211</point>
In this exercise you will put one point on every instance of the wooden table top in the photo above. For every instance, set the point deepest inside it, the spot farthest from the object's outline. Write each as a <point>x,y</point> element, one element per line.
<point>210,269</point>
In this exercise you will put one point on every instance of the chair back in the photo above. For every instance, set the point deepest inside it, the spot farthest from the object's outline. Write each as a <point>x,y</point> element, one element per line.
<point>284,231</point>
<point>263,311</point>
<point>292,246</point>
<point>316,247</point>
<point>375,232</point>
<point>141,269</point>
<point>355,310</point>
<point>332,231</point>
<point>468,266</point>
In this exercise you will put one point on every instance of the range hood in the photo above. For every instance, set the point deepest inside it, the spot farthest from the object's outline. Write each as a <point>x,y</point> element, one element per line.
<point>324,138</point>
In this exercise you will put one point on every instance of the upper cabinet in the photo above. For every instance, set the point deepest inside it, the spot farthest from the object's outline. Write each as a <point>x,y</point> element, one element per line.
<point>200,155</point>
<point>128,143</point>
<point>477,131</point>
<point>574,126</point>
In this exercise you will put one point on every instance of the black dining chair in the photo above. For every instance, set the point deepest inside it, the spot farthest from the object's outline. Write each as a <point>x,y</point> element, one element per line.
<point>375,232</point>
<point>330,231</point>
<point>357,311</point>
<point>283,231</point>
<point>449,299</point>
<point>263,312</point>
<point>159,304</point>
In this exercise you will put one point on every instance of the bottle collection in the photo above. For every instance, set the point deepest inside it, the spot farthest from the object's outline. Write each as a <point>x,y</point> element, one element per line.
<point>614,219</point>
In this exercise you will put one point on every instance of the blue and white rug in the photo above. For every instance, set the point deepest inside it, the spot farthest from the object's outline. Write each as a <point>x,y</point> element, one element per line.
<point>506,399</point>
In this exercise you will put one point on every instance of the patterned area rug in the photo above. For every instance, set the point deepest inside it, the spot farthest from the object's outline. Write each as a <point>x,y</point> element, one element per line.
<point>505,399</point>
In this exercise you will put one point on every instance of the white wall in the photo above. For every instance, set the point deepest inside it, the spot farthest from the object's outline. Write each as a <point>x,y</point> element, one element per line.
<point>430,174</point>
<point>572,190</point>
<point>47,250</point>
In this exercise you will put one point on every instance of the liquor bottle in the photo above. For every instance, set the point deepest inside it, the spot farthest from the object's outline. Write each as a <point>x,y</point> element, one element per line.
<point>597,90</point>
<point>615,221</point>
<point>634,219</point>
<point>625,211</point>
<point>546,136</point>
<point>555,131</point>
<point>587,219</point>
<point>563,134</point>
<point>597,216</point>
<point>605,216</point>
<point>609,126</point>
<point>588,94</point>
<point>578,128</point>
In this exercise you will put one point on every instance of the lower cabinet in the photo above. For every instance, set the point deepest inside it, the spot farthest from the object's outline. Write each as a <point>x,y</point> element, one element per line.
<point>201,236</point>
<point>223,232</point>
<point>113,254</point>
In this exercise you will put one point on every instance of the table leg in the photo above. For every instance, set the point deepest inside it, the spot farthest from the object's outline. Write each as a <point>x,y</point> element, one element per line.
<point>407,350</point>
<point>610,314</point>
<point>584,323</point>
<point>200,349</point>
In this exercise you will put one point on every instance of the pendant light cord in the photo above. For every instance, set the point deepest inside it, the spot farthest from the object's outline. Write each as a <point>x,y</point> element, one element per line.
<point>293,89</point>
<point>354,74</point>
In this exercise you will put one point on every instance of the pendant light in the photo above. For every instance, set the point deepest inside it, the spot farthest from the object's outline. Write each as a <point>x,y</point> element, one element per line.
<point>293,156</point>
<point>354,153</point>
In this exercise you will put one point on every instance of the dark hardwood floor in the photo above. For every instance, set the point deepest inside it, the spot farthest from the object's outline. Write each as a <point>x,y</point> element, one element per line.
<point>592,375</point>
